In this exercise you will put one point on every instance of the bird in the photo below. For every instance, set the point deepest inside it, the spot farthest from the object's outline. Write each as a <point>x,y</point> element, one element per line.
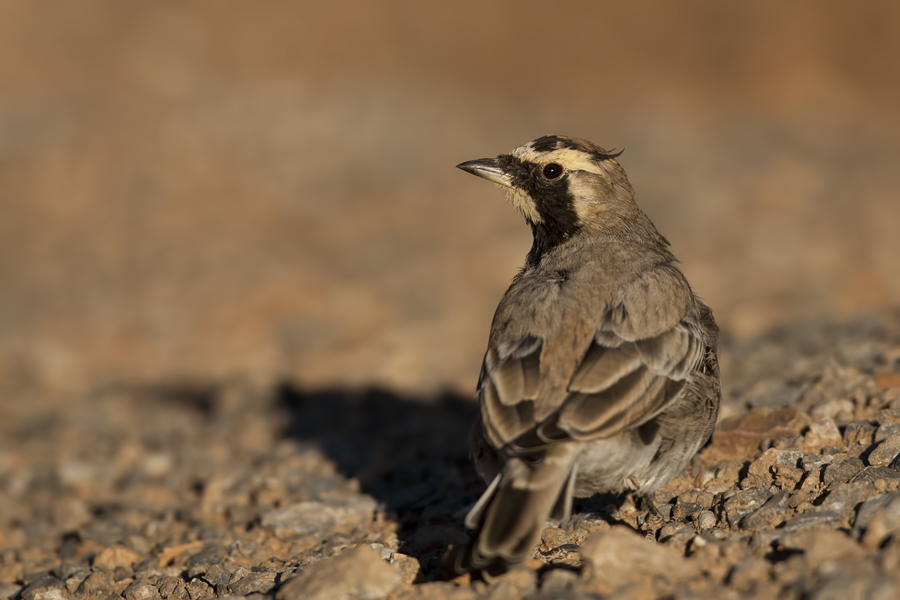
<point>601,371</point>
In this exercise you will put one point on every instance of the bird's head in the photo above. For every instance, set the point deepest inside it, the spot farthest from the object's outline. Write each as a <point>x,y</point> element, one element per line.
<point>564,186</point>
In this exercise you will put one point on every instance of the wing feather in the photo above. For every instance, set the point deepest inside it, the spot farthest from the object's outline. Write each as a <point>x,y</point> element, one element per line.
<point>603,367</point>
<point>641,355</point>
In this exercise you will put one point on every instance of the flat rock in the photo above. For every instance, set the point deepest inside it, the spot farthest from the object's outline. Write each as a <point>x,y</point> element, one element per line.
<point>739,437</point>
<point>877,518</point>
<point>211,554</point>
<point>409,567</point>
<point>140,590</point>
<point>116,556</point>
<point>823,545</point>
<point>701,497</point>
<point>46,587</point>
<point>744,502</point>
<point>357,574</point>
<point>256,582</point>
<point>173,588</point>
<point>686,510</point>
<point>312,517</point>
<point>845,497</point>
<point>9,590</point>
<point>211,573</point>
<point>774,512</point>
<point>813,518</point>
<point>859,433</point>
<point>821,434</point>
<point>887,415</point>
<point>812,461</point>
<point>96,583</point>
<point>762,471</point>
<point>886,451</point>
<point>884,476</point>
<point>197,589</point>
<point>850,583</point>
<point>842,470</point>
<point>885,431</point>
<point>619,555</point>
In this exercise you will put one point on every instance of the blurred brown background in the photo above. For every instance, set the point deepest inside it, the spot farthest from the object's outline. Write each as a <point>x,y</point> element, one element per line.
<point>196,192</point>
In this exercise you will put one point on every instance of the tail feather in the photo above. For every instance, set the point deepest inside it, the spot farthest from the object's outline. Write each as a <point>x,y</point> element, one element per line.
<point>563,508</point>
<point>510,515</point>
<point>476,514</point>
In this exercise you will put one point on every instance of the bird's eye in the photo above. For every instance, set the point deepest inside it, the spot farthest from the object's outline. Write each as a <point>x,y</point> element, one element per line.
<point>552,171</point>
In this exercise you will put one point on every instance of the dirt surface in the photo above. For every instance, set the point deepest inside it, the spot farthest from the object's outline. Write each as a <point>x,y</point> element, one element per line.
<point>244,293</point>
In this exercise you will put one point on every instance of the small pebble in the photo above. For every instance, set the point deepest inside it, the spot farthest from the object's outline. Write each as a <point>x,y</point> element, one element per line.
<point>706,520</point>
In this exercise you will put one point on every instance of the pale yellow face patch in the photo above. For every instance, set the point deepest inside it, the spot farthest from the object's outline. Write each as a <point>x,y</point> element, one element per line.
<point>569,158</point>
<point>521,200</point>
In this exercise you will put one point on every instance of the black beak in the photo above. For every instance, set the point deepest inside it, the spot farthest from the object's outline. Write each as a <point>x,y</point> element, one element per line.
<point>487,168</point>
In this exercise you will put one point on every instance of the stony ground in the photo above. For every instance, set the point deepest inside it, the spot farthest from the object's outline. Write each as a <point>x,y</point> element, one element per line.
<point>270,490</point>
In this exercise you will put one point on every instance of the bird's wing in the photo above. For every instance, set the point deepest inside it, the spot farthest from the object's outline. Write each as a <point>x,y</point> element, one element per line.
<point>622,384</point>
<point>508,386</point>
<point>646,344</point>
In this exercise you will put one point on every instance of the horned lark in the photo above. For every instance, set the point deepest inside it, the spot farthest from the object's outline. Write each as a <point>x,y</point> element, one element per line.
<point>601,372</point>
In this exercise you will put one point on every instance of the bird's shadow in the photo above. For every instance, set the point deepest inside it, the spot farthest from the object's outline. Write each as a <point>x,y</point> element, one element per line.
<point>409,453</point>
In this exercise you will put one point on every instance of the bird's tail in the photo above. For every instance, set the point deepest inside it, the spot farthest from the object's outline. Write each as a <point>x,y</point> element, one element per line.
<point>509,516</point>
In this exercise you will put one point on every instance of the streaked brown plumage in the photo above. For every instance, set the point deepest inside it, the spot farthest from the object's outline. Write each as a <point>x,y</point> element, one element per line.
<point>601,372</point>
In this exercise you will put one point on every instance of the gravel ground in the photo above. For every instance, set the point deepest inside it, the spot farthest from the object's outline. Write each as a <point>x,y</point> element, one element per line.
<point>270,490</point>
